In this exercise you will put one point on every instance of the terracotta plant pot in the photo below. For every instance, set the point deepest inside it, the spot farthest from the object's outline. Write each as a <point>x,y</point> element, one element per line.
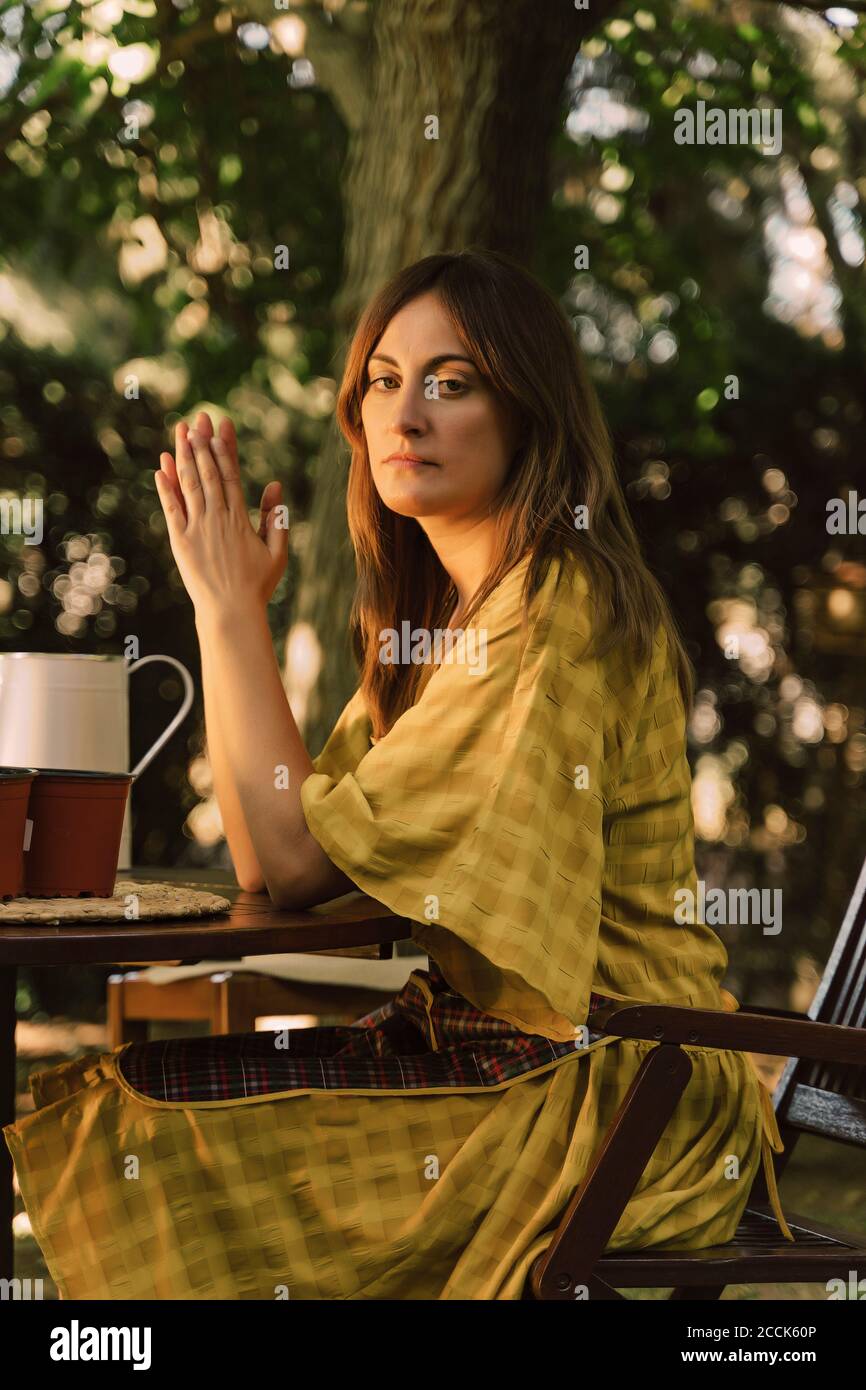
<point>75,842</point>
<point>15,785</point>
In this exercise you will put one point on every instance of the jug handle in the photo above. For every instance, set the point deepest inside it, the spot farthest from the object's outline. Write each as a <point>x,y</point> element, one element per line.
<point>189,694</point>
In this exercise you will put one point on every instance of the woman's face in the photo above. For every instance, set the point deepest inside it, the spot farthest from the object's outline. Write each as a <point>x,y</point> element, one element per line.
<point>425,398</point>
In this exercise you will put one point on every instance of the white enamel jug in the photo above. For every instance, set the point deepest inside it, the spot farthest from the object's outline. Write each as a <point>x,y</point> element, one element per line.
<point>71,710</point>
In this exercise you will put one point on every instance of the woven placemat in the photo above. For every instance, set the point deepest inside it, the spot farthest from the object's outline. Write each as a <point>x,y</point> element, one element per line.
<point>132,901</point>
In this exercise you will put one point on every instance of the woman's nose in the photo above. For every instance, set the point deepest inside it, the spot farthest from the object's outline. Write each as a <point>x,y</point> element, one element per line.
<point>409,414</point>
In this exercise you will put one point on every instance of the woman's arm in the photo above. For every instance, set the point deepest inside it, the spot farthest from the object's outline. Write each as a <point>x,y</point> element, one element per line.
<point>258,756</point>
<point>247,869</point>
<point>243,855</point>
<point>265,759</point>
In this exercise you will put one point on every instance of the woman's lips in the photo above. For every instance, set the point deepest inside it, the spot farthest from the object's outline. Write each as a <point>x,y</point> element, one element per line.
<point>406,461</point>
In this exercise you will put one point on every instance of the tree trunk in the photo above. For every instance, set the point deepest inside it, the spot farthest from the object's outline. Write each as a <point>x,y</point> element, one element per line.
<point>493,75</point>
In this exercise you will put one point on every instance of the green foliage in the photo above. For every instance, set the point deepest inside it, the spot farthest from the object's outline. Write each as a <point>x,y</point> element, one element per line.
<point>139,284</point>
<point>730,495</point>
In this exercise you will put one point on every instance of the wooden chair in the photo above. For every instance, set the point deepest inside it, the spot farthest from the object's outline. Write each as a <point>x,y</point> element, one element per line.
<point>822,1091</point>
<point>229,1000</point>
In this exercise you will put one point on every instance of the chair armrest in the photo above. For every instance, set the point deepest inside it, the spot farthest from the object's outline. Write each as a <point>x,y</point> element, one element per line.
<point>749,1032</point>
<point>774,1013</point>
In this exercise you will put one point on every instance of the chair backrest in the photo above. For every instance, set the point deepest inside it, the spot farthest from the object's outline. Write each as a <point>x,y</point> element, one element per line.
<point>823,1098</point>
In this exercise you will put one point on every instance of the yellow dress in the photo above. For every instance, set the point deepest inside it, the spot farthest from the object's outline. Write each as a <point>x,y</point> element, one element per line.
<point>531,815</point>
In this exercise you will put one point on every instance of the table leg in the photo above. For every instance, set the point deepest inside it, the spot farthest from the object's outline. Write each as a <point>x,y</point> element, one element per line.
<point>7,1114</point>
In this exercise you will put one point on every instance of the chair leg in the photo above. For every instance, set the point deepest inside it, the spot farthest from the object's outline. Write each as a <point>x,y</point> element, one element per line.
<point>233,1008</point>
<point>592,1214</point>
<point>120,1028</point>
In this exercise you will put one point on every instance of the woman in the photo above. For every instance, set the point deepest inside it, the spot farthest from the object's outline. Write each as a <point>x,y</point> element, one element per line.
<point>524,800</point>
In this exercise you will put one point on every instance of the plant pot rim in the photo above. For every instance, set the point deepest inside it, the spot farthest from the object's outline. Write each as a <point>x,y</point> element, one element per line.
<point>71,774</point>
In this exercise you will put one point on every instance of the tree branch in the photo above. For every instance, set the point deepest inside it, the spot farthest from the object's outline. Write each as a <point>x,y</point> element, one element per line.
<point>337,47</point>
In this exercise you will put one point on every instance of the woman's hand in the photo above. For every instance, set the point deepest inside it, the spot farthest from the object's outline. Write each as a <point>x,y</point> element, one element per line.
<point>226,566</point>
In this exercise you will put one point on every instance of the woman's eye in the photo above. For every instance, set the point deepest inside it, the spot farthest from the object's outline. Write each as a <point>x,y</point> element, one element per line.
<point>444,382</point>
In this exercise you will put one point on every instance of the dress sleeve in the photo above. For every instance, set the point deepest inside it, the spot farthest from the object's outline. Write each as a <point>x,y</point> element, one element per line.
<point>479,814</point>
<point>347,742</point>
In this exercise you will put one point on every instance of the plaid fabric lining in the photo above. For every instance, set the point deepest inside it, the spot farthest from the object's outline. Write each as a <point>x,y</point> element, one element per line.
<point>425,1038</point>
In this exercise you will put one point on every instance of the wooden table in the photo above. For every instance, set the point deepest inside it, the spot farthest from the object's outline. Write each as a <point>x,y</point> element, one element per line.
<point>356,925</point>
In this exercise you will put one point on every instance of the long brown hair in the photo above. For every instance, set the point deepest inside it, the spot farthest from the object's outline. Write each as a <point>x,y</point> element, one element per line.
<point>524,347</point>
